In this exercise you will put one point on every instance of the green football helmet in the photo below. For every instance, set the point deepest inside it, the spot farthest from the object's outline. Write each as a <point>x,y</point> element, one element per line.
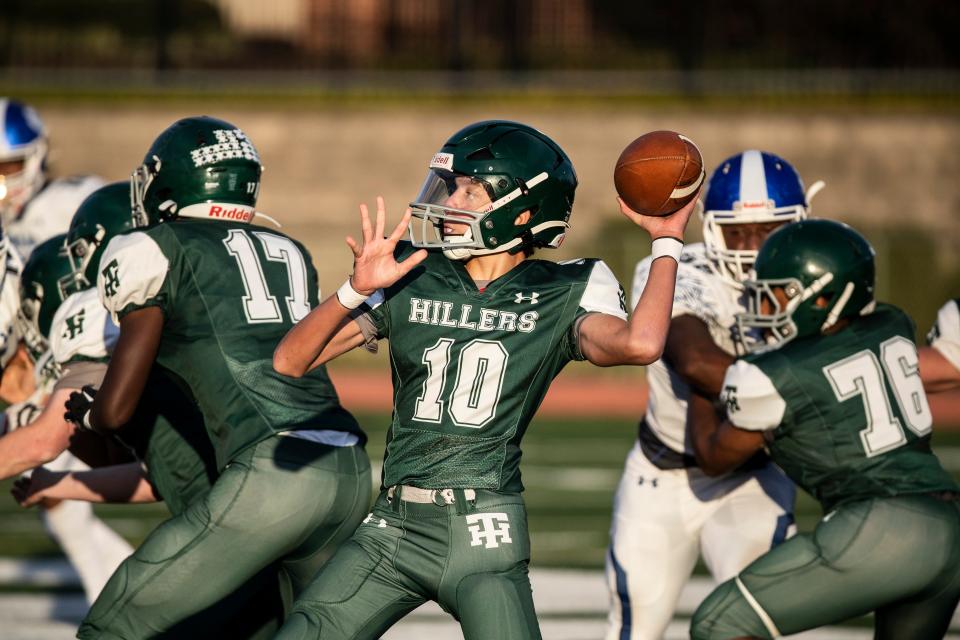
<point>198,167</point>
<point>519,168</point>
<point>102,215</point>
<point>41,293</point>
<point>807,259</point>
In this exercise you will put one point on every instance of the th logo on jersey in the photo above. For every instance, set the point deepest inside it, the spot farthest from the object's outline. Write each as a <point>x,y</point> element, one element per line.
<point>489,529</point>
<point>729,398</point>
<point>74,325</point>
<point>111,279</point>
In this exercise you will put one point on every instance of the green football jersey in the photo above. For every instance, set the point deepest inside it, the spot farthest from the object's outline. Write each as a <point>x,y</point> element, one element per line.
<point>846,414</point>
<point>470,367</point>
<point>167,434</point>
<point>229,291</point>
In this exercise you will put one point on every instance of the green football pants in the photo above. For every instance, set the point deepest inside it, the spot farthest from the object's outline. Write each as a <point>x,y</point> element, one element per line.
<point>898,557</point>
<point>471,557</point>
<point>284,499</point>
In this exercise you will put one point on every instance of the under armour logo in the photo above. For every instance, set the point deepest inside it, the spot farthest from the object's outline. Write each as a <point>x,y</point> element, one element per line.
<point>489,529</point>
<point>532,297</point>
<point>729,397</point>
<point>111,279</point>
<point>74,325</point>
<point>381,523</point>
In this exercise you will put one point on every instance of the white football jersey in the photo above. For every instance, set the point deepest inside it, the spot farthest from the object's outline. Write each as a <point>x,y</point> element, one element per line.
<point>82,328</point>
<point>703,293</point>
<point>945,335</point>
<point>50,211</point>
<point>9,303</point>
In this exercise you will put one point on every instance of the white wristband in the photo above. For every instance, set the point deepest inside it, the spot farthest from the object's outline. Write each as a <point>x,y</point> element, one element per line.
<point>349,297</point>
<point>670,247</point>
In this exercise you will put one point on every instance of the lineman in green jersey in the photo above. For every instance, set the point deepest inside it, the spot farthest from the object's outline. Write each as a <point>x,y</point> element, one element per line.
<point>477,331</point>
<point>205,295</point>
<point>836,397</point>
<point>940,359</point>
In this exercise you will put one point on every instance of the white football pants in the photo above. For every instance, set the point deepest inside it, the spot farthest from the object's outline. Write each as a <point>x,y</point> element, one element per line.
<point>94,549</point>
<point>664,519</point>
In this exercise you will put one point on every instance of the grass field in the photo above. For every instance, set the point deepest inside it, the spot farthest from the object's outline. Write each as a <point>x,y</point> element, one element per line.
<point>570,469</point>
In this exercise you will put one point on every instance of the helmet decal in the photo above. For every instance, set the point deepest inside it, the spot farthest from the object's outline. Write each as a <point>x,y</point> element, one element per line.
<point>231,143</point>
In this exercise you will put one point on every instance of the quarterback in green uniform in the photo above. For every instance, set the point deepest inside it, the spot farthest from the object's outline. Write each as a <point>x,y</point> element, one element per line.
<point>205,295</point>
<point>835,396</point>
<point>477,331</point>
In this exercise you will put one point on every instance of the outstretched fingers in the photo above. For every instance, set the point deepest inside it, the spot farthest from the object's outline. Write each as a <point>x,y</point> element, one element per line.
<point>381,217</point>
<point>357,250</point>
<point>412,261</point>
<point>365,224</point>
<point>401,228</point>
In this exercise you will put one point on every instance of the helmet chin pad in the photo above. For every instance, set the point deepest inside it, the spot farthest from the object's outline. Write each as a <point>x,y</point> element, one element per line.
<point>459,253</point>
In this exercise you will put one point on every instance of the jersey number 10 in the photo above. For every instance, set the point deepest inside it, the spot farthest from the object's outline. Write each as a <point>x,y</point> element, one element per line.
<point>863,374</point>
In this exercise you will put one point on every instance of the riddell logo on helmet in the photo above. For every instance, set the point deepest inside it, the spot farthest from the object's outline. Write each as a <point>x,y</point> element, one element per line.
<point>442,161</point>
<point>236,213</point>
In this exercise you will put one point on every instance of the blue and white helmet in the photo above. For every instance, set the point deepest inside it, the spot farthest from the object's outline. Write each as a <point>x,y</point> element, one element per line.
<point>23,153</point>
<point>750,187</point>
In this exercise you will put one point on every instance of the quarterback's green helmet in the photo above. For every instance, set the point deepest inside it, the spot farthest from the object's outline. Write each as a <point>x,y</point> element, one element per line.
<point>102,215</point>
<point>198,167</point>
<point>41,294</point>
<point>808,260</point>
<point>519,169</point>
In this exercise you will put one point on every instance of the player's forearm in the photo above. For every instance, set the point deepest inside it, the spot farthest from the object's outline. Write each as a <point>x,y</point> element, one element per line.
<point>936,372</point>
<point>703,423</point>
<point>650,320</point>
<point>692,353</point>
<point>126,483</point>
<point>301,349</point>
<point>35,444</point>
<point>130,365</point>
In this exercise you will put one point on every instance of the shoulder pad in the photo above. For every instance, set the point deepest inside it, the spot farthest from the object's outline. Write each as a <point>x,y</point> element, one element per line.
<point>82,328</point>
<point>132,270</point>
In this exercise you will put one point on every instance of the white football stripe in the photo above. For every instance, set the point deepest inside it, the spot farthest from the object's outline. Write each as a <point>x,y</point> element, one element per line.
<point>753,181</point>
<point>683,192</point>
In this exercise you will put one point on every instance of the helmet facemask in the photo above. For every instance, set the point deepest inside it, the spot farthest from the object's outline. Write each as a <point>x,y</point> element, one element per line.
<point>140,181</point>
<point>490,227</point>
<point>80,253</point>
<point>18,187</point>
<point>27,326</point>
<point>735,264</point>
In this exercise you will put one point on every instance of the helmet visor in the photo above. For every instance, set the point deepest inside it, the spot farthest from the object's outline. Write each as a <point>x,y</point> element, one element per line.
<point>449,210</point>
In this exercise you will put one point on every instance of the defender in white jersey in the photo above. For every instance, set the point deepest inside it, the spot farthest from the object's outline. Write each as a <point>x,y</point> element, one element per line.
<point>33,206</point>
<point>940,359</point>
<point>667,512</point>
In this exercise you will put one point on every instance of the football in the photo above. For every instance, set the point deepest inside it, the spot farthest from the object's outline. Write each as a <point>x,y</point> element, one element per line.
<point>658,173</point>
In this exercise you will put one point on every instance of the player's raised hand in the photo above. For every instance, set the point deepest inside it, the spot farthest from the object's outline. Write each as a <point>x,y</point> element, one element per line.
<point>672,225</point>
<point>374,265</point>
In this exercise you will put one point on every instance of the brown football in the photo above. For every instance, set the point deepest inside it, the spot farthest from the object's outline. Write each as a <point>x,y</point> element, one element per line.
<point>658,173</point>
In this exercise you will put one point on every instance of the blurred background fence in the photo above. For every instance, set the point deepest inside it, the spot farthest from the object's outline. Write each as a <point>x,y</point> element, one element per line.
<point>348,98</point>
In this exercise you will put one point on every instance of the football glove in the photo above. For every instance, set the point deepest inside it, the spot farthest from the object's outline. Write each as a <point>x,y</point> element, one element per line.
<point>78,407</point>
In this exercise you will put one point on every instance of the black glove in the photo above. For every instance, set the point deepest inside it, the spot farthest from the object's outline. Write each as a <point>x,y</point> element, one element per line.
<point>78,407</point>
